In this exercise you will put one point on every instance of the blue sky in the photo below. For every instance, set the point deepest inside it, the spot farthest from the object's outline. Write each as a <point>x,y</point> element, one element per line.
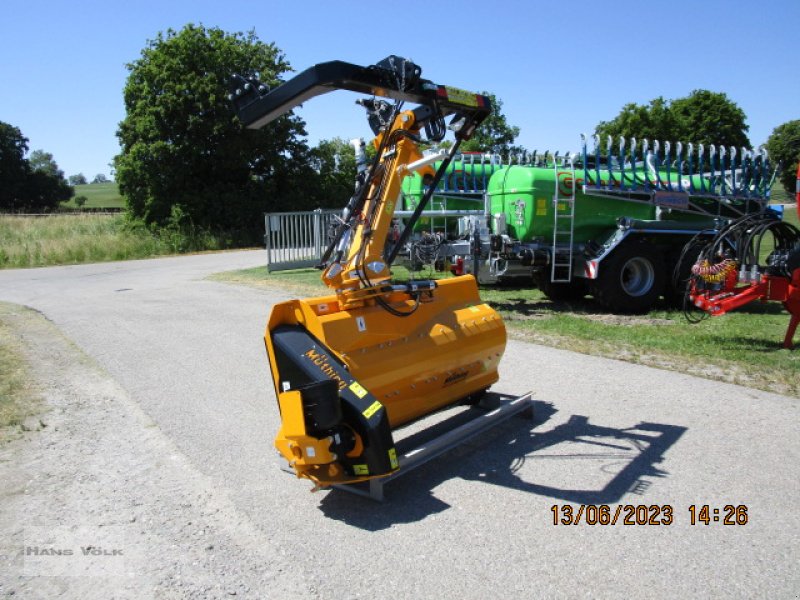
<point>558,67</point>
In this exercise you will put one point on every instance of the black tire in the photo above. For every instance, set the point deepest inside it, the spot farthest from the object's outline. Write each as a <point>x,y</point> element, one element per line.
<point>630,280</point>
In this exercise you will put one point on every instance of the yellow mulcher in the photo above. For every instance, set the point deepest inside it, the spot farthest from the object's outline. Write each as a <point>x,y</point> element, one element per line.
<point>351,366</point>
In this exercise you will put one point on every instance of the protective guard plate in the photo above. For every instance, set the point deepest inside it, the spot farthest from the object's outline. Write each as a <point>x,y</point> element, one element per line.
<point>303,359</point>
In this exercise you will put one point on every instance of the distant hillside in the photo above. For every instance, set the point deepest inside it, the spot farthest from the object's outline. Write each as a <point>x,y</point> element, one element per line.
<point>99,195</point>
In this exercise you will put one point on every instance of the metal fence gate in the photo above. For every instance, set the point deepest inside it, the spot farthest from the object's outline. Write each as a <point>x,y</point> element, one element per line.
<point>296,239</point>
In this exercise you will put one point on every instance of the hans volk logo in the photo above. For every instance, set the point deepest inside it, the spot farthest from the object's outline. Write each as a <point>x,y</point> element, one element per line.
<point>84,550</point>
<point>77,551</point>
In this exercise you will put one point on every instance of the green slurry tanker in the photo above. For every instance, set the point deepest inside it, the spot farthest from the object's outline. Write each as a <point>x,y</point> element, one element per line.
<point>461,193</point>
<point>612,223</point>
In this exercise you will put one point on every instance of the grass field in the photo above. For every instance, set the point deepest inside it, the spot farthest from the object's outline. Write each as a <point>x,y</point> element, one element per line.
<point>18,398</point>
<point>742,347</point>
<point>73,239</point>
<point>98,195</point>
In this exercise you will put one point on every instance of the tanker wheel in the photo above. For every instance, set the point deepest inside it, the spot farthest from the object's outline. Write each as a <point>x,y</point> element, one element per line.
<point>631,279</point>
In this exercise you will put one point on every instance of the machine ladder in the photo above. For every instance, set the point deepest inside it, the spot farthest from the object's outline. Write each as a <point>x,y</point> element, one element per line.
<point>563,221</point>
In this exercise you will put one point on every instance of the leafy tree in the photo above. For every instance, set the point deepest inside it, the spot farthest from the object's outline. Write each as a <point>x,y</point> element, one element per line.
<point>45,192</point>
<point>703,117</point>
<point>711,118</point>
<point>783,146</point>
<point>79,179</point>
<point>14,169</point>
<point>80,201</point>
<point>653,121</point>
<point>100,178</point>
<point>183,147</point>
<point>35,184</point>
<point>47,186</point>
<point>43,162</point>
<point>494,134</point>
<point>334,162</point>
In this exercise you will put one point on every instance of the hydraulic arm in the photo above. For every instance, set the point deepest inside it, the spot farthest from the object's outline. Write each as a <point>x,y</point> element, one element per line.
<point>349,367</point>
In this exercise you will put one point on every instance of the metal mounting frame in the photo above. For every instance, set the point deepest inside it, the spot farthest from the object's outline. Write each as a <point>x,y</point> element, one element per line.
<point>508,406</point>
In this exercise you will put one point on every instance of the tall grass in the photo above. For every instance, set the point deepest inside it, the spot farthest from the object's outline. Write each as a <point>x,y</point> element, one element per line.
<point>73,239</point>
<point>18,397</point>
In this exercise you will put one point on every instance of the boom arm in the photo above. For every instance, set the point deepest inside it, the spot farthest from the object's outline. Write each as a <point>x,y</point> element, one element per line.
<point>359,241</point>
<point>393,77</point>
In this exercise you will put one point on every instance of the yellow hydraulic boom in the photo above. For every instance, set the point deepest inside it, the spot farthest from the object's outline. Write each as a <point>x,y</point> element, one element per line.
<point>351,366</point>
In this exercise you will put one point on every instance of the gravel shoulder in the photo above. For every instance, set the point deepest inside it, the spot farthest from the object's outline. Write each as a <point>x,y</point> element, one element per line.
<point>98,473</point>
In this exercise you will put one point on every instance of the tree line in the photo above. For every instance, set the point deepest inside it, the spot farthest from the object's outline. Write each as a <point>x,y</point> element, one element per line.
<point>80,179</point>
<point>28,184</point>
<point>33,183</point>
<point>187,161</point>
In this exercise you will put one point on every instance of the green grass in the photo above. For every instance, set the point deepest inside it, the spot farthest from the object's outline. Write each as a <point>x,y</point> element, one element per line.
<point>73,239</point>
<point>18,397</point>
<point>790,216</point>
<point>780,195</point>
<point>98,195</point>
<point>743,347</point>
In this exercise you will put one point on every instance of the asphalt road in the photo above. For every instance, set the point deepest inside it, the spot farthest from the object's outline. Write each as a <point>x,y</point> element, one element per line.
<point>477,522</point>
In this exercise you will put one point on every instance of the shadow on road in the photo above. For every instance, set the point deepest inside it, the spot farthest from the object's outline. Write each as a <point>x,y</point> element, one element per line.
<point>593,465</point>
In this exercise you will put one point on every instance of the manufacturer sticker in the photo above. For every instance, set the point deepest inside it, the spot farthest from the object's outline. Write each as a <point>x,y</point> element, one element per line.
<point>519,211</point>
<point>393,458</point>
<point>358,389</point>
<point>372,409</point>
<point>679,200</point>
<point>461,96</point>
<point>455,378</point>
